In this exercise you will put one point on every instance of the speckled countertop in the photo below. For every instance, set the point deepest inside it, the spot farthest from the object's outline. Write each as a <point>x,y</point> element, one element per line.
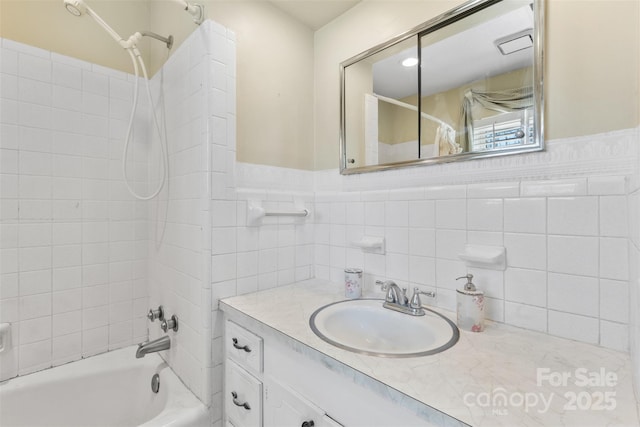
<point>504,376</point>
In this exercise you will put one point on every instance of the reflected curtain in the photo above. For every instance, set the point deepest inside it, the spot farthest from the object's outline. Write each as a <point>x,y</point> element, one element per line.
<point>504,101</point>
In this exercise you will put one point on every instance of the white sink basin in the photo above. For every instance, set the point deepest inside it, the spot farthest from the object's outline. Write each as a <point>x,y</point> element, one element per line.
<point>365,327</point>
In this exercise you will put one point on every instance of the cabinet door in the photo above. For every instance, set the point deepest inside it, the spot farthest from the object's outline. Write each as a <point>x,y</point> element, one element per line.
<point>243,397</point>
<point>284,407</point>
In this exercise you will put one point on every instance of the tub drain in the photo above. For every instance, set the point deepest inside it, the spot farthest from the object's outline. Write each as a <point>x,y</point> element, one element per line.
<point>155,383</point>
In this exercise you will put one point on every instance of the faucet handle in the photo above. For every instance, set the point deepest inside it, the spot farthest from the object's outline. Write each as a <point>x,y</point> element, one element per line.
<point>170,324</point>
<point>156,314</point>
<point>415,299</point>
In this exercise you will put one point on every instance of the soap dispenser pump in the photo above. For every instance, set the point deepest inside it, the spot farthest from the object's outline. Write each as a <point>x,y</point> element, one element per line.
<point>470,316</point>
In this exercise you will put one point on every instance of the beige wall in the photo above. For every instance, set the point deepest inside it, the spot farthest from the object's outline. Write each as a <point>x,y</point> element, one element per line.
<point>591,73</point>
<point>47,24</point>
<point>288,77</point>
<point>274,60</point>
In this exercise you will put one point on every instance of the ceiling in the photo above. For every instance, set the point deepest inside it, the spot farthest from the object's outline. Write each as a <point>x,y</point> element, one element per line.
<point>315,13</point>
<point>458,59</point>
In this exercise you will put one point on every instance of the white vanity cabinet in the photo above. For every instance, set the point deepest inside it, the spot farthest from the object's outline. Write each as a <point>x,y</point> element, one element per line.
<point>285,384</point>
<point>255,399</point>
<point>243,377</point>
<point>285,407</point>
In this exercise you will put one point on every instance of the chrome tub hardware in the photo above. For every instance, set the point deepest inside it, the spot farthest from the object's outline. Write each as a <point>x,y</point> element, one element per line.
<point>396,299</point>
<point>162,343</point>
<point>170,324</point>
<point>156,314</point>
<point>155,383</point>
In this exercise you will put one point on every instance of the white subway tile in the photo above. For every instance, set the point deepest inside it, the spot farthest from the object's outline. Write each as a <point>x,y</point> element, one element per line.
<point>525,316</point>
<point>446,192</point>
<point>493,190</point>
<point>34,330</point>
<point>374,213</point>
<point>494,309</point>
<point>573,216</point>
<point>526,286</point>
<point>34,258</point>
<point>66,348</point>
<point>485,214</point>
<point>422,270</point>
<point>613,216</point>
<point>94,341</point>
<point>397,240</point>
<point>422,213</point>
<point>573,255</point>
<point>614,335</point>
<point>573,294</point>
<point>34,357</point>
<point>574,327</point>
<point>34,92</point>
<point>397,267</point>
<point>450,243</point>
<point>422,241</point>
<point>9,310</point>
<point>614,260</point>
<point>67,323</point>
<point>65,301</point>
<point>451,214</point>
<point>446,273</point>
<point>35,67</point>
<point>614,300</point>
<point>35,282</point>
<point>526,250</point>
<point>557,188</point>
<point>396,213</point>
<point>607,185</point>
<point>33,306</point>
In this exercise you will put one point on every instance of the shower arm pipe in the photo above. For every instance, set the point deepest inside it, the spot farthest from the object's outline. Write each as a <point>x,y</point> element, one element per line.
<point>196,10</point>
<point>166,40</point>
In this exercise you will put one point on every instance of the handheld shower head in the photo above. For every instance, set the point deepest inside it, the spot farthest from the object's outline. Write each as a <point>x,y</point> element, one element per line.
<point>75,7</point>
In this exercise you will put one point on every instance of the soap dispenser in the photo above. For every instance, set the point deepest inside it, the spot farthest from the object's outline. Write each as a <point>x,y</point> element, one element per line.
<point>470,306</point>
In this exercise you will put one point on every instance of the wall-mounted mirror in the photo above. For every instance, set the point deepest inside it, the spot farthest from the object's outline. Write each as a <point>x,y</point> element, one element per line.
<point>464,85</point>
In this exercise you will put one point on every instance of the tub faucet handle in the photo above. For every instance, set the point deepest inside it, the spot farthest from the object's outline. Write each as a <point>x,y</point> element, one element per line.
<point>170,324</point>
<point>156,314</point>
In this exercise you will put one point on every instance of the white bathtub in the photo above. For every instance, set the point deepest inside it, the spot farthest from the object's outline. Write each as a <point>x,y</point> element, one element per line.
<point>112,389</point>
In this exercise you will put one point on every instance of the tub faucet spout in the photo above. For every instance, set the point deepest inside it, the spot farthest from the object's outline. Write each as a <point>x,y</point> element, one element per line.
<point>162,343</point>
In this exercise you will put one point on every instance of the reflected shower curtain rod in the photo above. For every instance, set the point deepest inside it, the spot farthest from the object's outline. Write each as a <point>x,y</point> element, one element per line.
<point>412,107</point>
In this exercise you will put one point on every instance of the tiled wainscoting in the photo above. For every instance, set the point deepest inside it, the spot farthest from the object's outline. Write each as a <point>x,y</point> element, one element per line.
<point>566,248</point>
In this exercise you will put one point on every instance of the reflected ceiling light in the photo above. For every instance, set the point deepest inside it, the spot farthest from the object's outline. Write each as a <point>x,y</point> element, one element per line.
<point>515,42</point>
<point>410,62</point>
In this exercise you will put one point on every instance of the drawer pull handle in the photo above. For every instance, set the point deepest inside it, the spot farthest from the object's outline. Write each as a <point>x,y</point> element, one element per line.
<point>309,423</point>
<point>240,347</point>
<point>244,405</point>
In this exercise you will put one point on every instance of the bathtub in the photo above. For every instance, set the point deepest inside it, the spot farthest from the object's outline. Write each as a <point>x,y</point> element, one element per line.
<point>111,389</point>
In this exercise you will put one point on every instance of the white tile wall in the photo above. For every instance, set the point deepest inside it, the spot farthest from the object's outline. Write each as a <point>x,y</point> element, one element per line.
<point>565,239</point>
<point>69,244</point>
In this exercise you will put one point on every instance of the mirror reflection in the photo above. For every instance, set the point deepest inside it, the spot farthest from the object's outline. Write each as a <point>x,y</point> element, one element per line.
<point>461,86</point>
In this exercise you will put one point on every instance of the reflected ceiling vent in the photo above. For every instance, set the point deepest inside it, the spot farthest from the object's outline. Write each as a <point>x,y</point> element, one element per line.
<point>515,42</point>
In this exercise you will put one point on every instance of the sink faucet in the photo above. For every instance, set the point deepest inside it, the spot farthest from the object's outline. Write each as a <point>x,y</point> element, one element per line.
<point>396,298</point>
<point>162,343</point>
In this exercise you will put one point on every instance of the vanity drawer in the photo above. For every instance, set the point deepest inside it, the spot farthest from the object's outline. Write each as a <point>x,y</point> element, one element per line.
<point>244,347</point>
<point>242,397</point>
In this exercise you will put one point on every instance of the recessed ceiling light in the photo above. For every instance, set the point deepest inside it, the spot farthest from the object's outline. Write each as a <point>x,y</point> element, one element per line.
<point>410,62</point>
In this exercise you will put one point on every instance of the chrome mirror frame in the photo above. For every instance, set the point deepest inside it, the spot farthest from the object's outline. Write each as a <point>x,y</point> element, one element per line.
<point>434,24</point>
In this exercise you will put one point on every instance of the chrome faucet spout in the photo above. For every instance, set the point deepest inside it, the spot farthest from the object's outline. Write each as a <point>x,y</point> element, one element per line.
<point>162,343</point>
